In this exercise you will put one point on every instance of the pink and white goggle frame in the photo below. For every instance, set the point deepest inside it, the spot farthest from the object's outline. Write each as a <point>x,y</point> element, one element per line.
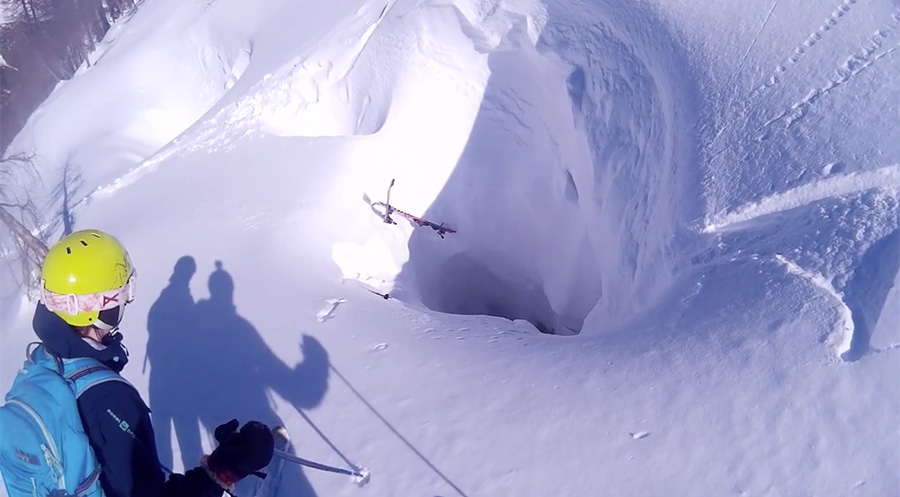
<point>90,302</point>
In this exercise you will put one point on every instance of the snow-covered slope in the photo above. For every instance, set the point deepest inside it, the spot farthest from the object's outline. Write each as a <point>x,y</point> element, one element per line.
<point>707,195</point>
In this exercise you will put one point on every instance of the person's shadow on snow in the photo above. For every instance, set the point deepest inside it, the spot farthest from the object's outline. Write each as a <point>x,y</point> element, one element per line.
<point>209,364</point>
<point>170,325</point>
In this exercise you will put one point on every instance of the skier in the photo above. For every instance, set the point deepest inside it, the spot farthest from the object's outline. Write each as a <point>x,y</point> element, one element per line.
<point>87,279</point>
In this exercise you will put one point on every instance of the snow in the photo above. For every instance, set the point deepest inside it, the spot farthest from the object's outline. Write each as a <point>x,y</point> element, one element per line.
<point>699,200</point>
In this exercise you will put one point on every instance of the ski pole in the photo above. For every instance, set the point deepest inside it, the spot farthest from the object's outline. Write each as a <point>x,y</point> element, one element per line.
<point>361,477</point>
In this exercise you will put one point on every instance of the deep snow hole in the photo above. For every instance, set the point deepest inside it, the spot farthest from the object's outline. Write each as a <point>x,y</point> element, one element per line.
<point>572,188</point>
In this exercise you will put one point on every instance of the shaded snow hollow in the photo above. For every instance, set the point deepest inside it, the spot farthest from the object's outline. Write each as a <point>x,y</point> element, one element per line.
<point>580,198</point>
<point>578,174</point>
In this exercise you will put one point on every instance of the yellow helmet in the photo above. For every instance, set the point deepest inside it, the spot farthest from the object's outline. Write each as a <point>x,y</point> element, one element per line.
<point>87,278</point>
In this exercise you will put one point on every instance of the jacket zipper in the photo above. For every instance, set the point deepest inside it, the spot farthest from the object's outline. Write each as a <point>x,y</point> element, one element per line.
<point>46,432</point>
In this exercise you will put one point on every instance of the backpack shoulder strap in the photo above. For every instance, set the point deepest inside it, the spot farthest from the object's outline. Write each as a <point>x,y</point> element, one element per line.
<point>86,373</point>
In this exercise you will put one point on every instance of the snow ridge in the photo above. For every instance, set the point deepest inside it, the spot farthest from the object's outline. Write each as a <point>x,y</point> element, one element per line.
<point>887,178</point>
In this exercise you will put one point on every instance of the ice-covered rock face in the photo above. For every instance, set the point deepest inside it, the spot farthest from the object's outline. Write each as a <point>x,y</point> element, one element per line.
<point>577,180</point>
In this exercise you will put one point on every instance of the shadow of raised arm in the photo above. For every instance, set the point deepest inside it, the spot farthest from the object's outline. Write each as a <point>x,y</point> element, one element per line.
<point>305,384</point>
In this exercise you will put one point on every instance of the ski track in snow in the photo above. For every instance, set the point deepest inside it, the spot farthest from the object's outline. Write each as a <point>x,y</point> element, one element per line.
<point>844,328</point>
<point>835,186</point>
<point>756,37</point>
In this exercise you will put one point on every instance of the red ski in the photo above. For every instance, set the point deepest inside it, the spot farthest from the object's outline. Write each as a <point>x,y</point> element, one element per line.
<point>389,209</point>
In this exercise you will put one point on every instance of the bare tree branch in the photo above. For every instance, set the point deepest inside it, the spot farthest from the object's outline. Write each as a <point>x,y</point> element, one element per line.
<point>23,251</point>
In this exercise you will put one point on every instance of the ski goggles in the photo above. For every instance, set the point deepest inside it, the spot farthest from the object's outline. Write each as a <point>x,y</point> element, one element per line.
<point>92,302</point>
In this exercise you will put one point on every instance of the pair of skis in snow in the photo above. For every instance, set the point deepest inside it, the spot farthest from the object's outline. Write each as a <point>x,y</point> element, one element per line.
<point>269,485</point>
<point>389,209</point>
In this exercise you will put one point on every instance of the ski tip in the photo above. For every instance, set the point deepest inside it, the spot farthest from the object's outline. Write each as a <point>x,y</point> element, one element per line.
<point>281,431</point>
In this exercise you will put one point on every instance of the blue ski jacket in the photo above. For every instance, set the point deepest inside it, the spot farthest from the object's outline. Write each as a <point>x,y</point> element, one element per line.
<point>117,423</point>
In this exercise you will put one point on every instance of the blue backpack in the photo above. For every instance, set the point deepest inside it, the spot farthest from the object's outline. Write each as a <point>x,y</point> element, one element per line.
<point>44,449</point>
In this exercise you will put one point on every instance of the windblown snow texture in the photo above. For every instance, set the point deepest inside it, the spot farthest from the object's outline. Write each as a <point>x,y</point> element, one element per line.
<point>704,197</point>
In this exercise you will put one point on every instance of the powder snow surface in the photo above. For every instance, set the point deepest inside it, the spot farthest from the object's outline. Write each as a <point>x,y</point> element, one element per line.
<point>696,202</point>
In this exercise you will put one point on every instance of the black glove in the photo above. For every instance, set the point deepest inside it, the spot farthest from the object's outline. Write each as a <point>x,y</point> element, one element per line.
<point>240,453</point>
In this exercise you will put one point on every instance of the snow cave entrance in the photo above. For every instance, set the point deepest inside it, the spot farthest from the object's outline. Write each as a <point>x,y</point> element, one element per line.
<point>470,283</point>
<point>571,188</point>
